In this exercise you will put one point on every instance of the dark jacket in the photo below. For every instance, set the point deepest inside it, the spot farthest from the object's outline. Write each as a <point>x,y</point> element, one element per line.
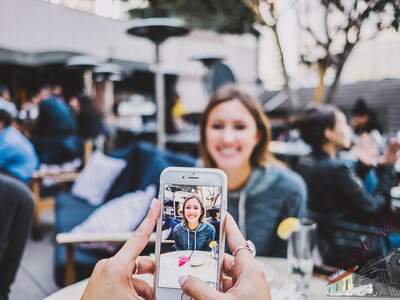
<point>55,137</point>
<point>16,213</point>
<point>335,190</point>
<point>186,239</point>
<point>55,118</point>
<point>271,195</point>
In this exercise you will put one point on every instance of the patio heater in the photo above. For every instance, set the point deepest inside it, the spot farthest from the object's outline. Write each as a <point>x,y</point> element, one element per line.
<point>157,30</point>
<point>208,60</point>
<point>256,30</point>
<point>85,63</point>
<point>218,73</point>
<point>108,73</point>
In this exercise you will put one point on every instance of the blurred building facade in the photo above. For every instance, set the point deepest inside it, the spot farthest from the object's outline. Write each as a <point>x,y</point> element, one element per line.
<point>38,35</point>
<point>116,9</point>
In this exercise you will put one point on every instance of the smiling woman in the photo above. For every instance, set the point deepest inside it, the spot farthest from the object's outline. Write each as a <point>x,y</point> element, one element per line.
<point>192,225</point>
<point>235,134</point>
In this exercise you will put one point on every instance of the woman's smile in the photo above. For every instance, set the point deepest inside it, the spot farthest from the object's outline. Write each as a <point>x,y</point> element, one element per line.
<point>192,216</point>
<point>231,135</point>
<point>192,211</point>
<point>228,151</point>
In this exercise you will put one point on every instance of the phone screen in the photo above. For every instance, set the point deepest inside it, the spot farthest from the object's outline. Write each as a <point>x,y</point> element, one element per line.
<point>190,234</point>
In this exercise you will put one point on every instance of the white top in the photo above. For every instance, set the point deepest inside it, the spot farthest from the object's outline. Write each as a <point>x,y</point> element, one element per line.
<point>8,106</point>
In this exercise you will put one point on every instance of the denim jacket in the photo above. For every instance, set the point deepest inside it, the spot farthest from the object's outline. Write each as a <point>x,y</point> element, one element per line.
<point>186,239</point>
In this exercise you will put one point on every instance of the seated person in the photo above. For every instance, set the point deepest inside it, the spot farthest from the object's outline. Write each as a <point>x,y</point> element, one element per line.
<point>364,120</point>
<point>235,136</point>
<point>5,101</point>
<point>192,233</point>
<point>214,220</point>
<point>55,137</point>
<point>333,186</point>
<point>17,155</point>
<point>16,212</point>
<point>88,117</point>
<point>168,226</point>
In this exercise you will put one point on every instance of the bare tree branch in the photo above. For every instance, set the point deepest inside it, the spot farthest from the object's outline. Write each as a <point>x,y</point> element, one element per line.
<point>328,38</point>
<point>254,6</point>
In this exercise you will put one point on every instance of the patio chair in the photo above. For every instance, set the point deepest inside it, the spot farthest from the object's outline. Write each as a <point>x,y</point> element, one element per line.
<point>145,163</point>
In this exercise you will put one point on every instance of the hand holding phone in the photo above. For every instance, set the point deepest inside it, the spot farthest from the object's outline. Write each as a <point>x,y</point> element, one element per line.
<point>246,276</point>
<point>112,277</point>
<point>190,240</point>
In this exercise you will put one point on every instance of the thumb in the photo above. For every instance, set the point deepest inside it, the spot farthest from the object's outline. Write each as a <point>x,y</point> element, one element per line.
<point>197,289</point>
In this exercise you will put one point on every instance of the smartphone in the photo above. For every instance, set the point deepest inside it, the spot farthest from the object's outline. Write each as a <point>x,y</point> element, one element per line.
<point>190,233</point>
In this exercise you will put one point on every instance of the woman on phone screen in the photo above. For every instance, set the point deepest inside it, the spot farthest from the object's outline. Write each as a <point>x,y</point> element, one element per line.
<point>235,135</point>
<point>193,233</point>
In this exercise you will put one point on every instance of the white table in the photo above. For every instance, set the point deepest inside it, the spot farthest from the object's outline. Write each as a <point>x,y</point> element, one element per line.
<point>201,265</point>
<point>275,268</point>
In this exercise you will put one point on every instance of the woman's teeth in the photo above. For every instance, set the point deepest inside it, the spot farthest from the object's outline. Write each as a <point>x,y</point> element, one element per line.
<point>228,151</point>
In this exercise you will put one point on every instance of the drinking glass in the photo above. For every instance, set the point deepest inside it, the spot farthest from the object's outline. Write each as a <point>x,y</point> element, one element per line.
<point>300,248</point>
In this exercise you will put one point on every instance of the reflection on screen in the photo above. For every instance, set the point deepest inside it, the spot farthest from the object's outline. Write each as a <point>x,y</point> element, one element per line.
<point>190,234</point>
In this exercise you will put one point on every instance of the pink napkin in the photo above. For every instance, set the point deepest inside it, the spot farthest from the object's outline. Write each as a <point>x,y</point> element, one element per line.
<point>182,260</point>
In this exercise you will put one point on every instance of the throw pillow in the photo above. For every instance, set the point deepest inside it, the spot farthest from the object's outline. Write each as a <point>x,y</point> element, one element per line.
<point>97,177</point>
<point>121,214</point>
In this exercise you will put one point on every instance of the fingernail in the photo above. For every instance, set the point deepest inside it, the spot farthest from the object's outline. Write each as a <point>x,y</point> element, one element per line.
<point>153,202</point>
<point>182,280</point>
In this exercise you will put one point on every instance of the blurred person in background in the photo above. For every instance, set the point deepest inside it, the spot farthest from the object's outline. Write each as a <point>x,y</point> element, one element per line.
<point>214,220</point>
<point>262,192</point>
<point>30,109</point>
<point>6,102</point>
<point>57,91</point>
<point>44,92</point>
<point>367,143</point>
<point>17,155</point>
<point>89,119</point>
<point>333,186</point>
<point>55,117</point>
<point>56,132</point>
<point>336,192</point>
<point>16,213</point>
<point>363,119</point>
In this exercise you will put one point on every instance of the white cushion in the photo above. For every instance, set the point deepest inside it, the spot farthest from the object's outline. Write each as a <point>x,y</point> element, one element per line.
<point>121,214</point>
<point>97,177</point>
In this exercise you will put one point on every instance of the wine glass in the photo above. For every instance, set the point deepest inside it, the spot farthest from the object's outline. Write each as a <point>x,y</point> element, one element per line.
<point>300,260</point>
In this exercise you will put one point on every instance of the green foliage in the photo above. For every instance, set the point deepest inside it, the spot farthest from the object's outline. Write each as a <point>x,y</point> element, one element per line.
<point>223,16</point>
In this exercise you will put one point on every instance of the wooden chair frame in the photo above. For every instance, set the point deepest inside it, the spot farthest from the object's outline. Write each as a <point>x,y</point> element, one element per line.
<point>42,204</point>
<point>70,240</point>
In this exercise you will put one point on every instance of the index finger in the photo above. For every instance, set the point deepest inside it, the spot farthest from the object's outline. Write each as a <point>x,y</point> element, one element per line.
<point>139,239</point>
<point>235,239</point>
<point>146,265</point>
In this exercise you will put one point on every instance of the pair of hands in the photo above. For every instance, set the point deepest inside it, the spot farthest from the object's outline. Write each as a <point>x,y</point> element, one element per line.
<point>112,278</point>
<point>367,151</point>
